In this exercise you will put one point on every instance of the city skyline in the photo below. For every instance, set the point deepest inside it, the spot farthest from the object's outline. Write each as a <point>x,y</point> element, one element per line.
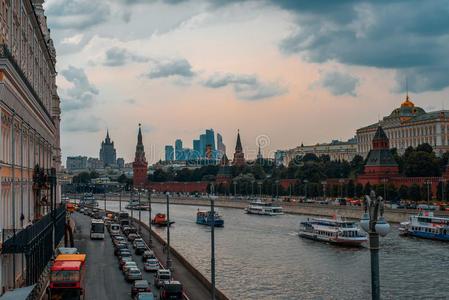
<point>107,63</point>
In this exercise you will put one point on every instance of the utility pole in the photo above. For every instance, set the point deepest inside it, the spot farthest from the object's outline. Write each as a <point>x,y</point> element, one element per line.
<point>212,243</point>
<point>168,233</point>
<point>150,241</point>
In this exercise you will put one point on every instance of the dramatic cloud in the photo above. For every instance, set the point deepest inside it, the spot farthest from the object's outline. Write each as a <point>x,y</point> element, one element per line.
<point>246,87</point>
<point>81,94</point>
<point>81,123</point>
<point>119,57</point>
<point>167,68</point>
<point>409,36</point>
<point>339,83</point>
<point>77,14</point>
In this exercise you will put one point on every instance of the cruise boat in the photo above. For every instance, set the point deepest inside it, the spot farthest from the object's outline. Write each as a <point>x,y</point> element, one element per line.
<point>426,225</point>
<point>205,218</point>
<point>335,231</point>
<point>259,207</point>
<point>161,220</point>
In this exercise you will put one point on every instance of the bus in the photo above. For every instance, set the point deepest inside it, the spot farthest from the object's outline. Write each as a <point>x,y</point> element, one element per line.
<point>96,229</point>
<point>67,277</point>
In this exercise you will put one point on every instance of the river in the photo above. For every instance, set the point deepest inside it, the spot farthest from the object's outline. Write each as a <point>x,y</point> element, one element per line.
<point>260,257</point>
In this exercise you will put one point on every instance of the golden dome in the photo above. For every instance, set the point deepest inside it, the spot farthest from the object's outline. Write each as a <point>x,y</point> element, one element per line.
<point>407,102</point>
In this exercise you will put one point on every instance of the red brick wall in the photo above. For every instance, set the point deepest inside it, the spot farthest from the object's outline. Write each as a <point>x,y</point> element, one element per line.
<point>178,187</point>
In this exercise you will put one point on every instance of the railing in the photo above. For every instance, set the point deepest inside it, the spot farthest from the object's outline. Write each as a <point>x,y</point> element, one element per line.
<point>5,53</point>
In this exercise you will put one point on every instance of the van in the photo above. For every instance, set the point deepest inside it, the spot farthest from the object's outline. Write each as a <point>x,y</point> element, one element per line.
<point>115,229</point>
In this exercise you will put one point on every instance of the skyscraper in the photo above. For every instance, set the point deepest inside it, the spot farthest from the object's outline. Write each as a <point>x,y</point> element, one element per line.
<point>169,153</point>
<point>220,146</point>
<point>203,143</point>
<point>140,165</point>
<point>107,151</point>
<point>178,150</point>
<point>197,148</point>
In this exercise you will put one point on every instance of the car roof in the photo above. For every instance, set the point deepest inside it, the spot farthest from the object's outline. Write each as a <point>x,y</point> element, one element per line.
<point>140,283</point>
<point>133,269</point>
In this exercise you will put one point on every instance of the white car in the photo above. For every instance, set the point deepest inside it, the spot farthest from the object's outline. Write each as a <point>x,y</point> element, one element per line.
<point>151,265</point>
<point>137,240</point>
<point>129,264</point>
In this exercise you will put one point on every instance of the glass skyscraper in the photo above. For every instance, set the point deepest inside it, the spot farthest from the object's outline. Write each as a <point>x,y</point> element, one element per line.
<point>169,153</point>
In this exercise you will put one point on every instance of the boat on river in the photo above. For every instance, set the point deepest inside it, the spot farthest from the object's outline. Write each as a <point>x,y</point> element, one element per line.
<point>335,231</point>
<point>205,218</point>
<point>259,207</point>
<point>160,219</point>
<point>426,225</point>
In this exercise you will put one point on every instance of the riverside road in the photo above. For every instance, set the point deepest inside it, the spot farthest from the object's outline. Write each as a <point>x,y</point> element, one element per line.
<point>103,280</point>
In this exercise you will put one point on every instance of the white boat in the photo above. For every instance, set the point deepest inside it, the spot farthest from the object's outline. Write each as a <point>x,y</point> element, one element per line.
<point>426,225</point>
<point>335,231</point>
<point>259,207</point>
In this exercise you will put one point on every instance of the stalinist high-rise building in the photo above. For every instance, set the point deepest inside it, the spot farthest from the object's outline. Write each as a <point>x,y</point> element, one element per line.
<point>140,164</point>
<point>108,153</point>
<point>29,132</point>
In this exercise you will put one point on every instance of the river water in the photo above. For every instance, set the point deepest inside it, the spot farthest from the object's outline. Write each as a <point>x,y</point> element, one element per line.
<point>261,257</point>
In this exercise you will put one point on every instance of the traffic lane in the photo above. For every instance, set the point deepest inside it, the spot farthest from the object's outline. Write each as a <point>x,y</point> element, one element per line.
<point>103,278</point>
<point>149,276</point>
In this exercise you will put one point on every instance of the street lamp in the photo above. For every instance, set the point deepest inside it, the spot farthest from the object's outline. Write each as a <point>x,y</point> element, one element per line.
<point>168,232</point>
<point>212,243</point>
<point>305,188</point>
<point>429,185</point>
<point>277,189</point>
<point>373,222</point>
<point>323,183</point>
<point>235,189</point>
<point>150,241</point>
<point>259,183</point>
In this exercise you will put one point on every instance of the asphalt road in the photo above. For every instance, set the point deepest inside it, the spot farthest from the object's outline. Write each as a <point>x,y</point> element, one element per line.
<point>104,280</point>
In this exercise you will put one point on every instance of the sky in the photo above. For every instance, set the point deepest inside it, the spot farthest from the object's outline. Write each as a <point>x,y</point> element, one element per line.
<point>283,72</point>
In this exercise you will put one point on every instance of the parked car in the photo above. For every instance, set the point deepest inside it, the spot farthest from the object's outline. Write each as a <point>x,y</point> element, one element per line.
<point>140,286</point>
<point>128,265</point>
<point>138,240</point>
<point>123,260</point>
<point>144,296</point>
<point>171,290</point>
<point>147,254</point>
<point>124,253</point>
<point>67,250</point>
<point>132,237</point>
<point>151,265</point>
<point>133,274</point>
<point>140,248</point>
<point>161,276</point>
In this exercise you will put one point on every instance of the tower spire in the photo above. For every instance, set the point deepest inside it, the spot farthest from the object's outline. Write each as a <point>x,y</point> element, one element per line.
<point>139,135</point>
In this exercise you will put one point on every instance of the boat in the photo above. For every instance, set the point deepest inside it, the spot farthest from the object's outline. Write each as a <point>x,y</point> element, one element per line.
<point>426,225</point>
<point>205,218</point>
<point>161,220</point>
<point>259,207</point>
<point>88,199</point>
<point>335,231</point>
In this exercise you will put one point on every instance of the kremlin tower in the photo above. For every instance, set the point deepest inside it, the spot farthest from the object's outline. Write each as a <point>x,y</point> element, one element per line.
<point>140,165</point>
<point>239,156</point>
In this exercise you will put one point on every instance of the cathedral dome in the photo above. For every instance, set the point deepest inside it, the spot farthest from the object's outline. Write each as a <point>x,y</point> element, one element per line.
<point>407,102</point>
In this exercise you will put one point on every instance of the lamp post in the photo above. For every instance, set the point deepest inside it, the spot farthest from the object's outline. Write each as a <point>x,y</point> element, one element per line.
<point>305,188</point>
<point>150,240</point>
<point>443,180</point>
<point>252,188</point>
<point>277,189</point>
<point>120,199</point>
<point>323,183</point>
<point>168,232</point>
<point>235,189</point>
<point>373,222</point>
<point>384,181</point>
<point>140,211</point>
<point>429,185</point>
<point>259,183</point>
<point>131,200</point>
<point>212,242</point>
<point>341,181</point>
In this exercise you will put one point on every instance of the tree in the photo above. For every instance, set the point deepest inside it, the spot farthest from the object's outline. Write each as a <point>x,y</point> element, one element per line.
<point>421,164</point>
<point>357,164</point>
<point>425,147</point>
<point>414,192</point>
<point>350,189</point>
<point>359,190</point>
<point>367,189</point>
<point>403,192</point>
